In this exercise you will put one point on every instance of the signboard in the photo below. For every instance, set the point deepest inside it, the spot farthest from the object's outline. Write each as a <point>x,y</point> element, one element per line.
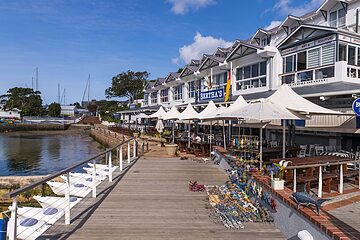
<point>349,39</point>
<point>309,44</point>
<point>356,106</point>
<point>211,95</point>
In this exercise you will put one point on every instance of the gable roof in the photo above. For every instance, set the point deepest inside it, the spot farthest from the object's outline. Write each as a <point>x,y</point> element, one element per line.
<point>243,47</point>
<point>149,84</point>
<point>190,68</point>
<point>159,81</point>
<point>328,4</point>
<point>308,37</point>
<point>172,76</point>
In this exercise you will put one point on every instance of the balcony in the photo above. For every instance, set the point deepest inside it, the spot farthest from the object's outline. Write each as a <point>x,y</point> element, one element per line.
<point>353,71</point>
<point>309,76</point>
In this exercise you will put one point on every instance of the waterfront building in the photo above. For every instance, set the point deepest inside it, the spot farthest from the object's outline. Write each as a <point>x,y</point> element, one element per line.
<point>317,54</point>
<point>10,114</point>
<point>68,110</point>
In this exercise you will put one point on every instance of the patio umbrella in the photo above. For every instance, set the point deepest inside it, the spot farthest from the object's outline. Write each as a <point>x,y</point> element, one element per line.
<point>159,126</point>
<point>286,97</point>
<point>141,116</point>
<point>262,110</point>
<point>159,114</point>
<point>189,114</point>
<point>173,115</point>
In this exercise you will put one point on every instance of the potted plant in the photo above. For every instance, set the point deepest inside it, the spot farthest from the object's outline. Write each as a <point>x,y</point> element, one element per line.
<point>277,176</point>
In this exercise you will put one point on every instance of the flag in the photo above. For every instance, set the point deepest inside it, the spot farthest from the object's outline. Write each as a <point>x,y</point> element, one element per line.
<point>228,85</point>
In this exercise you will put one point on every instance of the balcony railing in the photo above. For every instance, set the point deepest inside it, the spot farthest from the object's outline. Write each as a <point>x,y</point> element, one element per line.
<point>353,71</point>
<point>314,75</point>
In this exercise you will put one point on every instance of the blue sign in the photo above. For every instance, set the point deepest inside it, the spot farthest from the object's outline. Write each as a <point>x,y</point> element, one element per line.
<point>211,95</point>
<point>356,106</point>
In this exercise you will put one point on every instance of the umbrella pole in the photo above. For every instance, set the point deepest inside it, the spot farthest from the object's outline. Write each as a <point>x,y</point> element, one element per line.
<point>189,135</point>
<point>261,146</point>
<point>173,131</point>
<point>210,137</point>
<point>224,137</point>
<point>284,138</point>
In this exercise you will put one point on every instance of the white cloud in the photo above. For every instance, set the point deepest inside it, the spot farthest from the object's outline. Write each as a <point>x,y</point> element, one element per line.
<point>181,7</point>
<point>272,25</point>
<point>285,7</point>
<point>201,45</point>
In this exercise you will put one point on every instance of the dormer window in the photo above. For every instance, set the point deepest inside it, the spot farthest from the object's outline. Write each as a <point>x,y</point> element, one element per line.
<point>265,41</point>
<point>338,18</point>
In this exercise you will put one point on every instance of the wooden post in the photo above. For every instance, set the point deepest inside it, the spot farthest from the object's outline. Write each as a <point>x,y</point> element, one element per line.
<point>294,186</point>
<point>320,183</point>
<point>13,220</point>
<point>121,158</point>
<point>134,148</point>
<point>128,152</point>
<point>67,200</point>
<point>110,167</point>
<point>94,180</point>
<point>341,185</point>
<point>261,146</point>
<point>142,148</point>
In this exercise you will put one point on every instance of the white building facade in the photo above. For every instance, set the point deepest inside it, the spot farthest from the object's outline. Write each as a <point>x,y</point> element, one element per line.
<point>317,54</point>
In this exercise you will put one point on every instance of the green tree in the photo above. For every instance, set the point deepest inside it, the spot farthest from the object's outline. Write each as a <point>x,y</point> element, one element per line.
<point>92,107</point>
<point>77,105</point>
<point>128,84</point>
<point>54,109</point>
<point>25,99</point>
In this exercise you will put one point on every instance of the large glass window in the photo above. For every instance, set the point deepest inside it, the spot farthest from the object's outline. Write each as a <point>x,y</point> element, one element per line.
<point>342,52</point>
<point>338,18</point>
<point>333,19</point>
<point>164,95</point>
<point>146,99</point>
<point>195,86</point>
<point>351,55</point>
<point>341,17</point>
<point>178,92</point>
<point>289,63</point>
<point>220,79</point>
<point>251,76</point>
<point>153,97</point>
<point>301,61</point>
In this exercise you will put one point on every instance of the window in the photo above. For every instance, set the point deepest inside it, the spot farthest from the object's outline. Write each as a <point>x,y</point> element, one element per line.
<point>301,61</point>
<point>178,92</point>
<point>220,79</point>
<point>342,52</point>
<point>289,64</point>
<point>328,54</point>
<point>195,86</point>
<point>314,58</point>
<point>164,95</point>
<point>251,76</point>
<point>153,96</point>
<point>146,99</point>
<point>351,55</point>
<point>338,18</point>
<point>358,57</point>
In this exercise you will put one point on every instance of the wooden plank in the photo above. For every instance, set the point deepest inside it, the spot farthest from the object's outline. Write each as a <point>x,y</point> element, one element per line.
<point>152,201</point>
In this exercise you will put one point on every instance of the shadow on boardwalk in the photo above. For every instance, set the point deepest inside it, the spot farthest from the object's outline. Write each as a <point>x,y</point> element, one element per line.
<point>152,201</point>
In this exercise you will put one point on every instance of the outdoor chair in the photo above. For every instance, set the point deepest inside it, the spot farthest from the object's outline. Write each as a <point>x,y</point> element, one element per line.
<point>301,153</point>
<point>273,143</point>
<point>319,150</point>
<point>310,150</point>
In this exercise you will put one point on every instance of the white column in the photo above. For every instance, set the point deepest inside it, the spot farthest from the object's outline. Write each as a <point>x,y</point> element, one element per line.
<point>171,94</point>
<point>110,167</point>
<point>359,174</point>
<point>261,147</point>
<point>121,158</point>
<point>13,220</point>
<point>67,200</point>
<point>341,184</point>
<point>94,180</point>
<point>128,152</point>
<point>320,183</point>
<point>134,149</point>
<point>294,186</point>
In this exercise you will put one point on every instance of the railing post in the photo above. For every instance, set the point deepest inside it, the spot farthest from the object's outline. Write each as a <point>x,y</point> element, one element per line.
<point>294,186</point>
<point>110,167</point>
<point>147,145</point>
<point>67,200</point>
<point>320,183</point>
<point>134,148</point>
<point>13,220</point>
<point>128,155</point>
<point>121,158</point>
<point>94,180</point>
<point>341,186</point>
<point>142,148</point>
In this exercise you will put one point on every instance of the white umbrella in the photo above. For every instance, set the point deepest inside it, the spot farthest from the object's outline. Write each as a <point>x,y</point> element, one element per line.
<point>286,97</point>
<point>189,114</point>
<point>159,126</point>
<point>263,110</point>
<point>141,116</point>
<point>173,115</point>
<point>159,114</point>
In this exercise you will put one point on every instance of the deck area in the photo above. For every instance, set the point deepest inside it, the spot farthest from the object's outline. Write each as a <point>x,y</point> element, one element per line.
<point>152,201</point>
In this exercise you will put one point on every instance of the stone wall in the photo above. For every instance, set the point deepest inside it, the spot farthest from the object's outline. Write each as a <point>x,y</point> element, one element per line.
<point>32,127</point>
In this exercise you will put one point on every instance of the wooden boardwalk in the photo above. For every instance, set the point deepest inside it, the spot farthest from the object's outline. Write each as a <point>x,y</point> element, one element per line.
<point>152,201</point>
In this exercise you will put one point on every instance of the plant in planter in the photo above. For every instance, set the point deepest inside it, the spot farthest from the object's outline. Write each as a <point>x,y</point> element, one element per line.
<point>276,172</point>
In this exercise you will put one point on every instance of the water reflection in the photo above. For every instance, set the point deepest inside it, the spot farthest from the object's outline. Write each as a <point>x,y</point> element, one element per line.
<point>33,153</point>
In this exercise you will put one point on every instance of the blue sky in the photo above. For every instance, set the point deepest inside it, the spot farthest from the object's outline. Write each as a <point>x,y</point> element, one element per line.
<point>69,39</point>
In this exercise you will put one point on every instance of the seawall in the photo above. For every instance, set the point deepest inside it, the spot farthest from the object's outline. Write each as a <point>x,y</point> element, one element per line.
<point>32,127</point>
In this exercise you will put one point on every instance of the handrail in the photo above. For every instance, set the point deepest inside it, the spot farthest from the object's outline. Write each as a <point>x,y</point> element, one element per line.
<point>54,175</point>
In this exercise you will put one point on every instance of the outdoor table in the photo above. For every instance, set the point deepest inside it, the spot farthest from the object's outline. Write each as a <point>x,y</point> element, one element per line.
<point>202,146</point>
<point>277,151</point>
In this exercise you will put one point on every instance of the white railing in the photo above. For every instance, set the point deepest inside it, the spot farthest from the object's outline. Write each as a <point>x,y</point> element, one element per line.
<point>30,223</point>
